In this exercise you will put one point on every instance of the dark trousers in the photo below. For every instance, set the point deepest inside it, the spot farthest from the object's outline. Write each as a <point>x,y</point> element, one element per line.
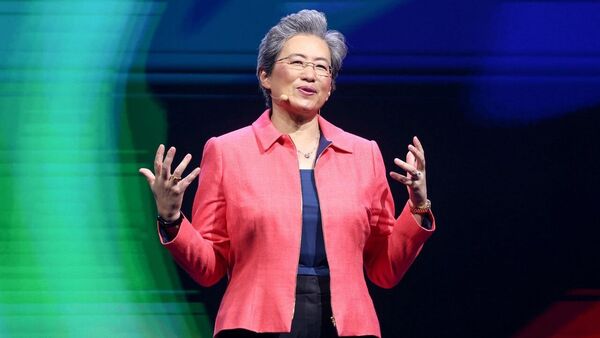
<point>312,314</point>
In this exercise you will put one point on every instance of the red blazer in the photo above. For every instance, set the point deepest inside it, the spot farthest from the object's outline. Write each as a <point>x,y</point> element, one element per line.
<point>247,221</point>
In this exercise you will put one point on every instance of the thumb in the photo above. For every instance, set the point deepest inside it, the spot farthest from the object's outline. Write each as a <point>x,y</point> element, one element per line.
<point>148,175</point>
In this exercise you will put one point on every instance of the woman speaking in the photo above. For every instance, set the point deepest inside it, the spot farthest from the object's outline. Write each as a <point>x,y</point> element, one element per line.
<point>293,208</point>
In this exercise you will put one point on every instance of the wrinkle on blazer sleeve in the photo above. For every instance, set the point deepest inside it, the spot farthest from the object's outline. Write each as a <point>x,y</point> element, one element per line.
<point>201,248</point>
<point>393,244</point>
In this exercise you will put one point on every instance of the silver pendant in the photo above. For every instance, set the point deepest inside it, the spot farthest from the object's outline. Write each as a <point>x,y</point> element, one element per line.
<point>306,155</point>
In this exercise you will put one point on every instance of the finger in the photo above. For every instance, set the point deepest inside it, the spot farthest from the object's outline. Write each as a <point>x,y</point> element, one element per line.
<point>190,178</point>
<point>158,158</point>
<point>410,159</point>
<point>181,167</point>
<point>166,165</point>
<point>420,157</point>
<point>418,144</point>
<point>148,175</point>
<point>406,167</point>
<point>401,178</point>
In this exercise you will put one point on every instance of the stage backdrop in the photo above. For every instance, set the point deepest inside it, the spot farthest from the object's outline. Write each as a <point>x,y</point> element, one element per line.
<point>505,96</point>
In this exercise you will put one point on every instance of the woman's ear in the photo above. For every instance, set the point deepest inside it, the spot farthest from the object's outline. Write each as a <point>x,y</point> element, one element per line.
<point>265,80</point>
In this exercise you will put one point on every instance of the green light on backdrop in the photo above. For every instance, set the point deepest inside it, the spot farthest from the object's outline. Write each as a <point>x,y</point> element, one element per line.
<point>79,254</point>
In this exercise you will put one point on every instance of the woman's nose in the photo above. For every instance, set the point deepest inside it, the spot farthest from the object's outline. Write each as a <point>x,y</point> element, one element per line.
<point>309,73</point>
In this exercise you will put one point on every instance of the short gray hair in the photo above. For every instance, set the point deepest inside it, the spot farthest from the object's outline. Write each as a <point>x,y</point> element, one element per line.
<point>304,22</point>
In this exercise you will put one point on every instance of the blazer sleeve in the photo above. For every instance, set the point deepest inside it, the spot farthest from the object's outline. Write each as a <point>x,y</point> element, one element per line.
<point>393,243</point>
<point>201,247</point>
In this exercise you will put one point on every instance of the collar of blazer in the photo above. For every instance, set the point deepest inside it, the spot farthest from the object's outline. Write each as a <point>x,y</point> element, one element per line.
<point>267,134</point>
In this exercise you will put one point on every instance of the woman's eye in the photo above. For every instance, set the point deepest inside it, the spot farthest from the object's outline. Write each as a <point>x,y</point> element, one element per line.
<point>296,62</point>
<point>322,67</point>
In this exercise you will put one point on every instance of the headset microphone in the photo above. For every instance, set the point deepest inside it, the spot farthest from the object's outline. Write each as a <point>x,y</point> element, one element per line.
<point>282,98</point>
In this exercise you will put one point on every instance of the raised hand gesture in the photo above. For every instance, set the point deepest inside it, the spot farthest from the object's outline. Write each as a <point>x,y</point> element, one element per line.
<point>168,188</point>
<point>415,178</point>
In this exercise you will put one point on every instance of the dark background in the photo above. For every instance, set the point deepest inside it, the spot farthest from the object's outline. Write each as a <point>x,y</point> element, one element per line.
<point>504,96</point>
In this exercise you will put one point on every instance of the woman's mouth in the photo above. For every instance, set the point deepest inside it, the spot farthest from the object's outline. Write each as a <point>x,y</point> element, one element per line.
<point>305,90</point>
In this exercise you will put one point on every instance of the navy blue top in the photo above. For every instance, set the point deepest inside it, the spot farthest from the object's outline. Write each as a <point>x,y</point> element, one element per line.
<point>313,260</point>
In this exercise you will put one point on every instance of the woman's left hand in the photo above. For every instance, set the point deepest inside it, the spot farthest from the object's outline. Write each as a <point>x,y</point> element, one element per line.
<point>415,178</point>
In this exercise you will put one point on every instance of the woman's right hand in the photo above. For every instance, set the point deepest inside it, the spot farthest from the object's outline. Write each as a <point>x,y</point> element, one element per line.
<point>168,189</point>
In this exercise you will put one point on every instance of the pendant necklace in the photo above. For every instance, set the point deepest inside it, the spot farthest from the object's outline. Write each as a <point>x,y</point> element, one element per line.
<point>309,154</point>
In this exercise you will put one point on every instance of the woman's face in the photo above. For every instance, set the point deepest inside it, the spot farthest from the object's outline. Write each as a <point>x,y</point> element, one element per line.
<point>307,88</point>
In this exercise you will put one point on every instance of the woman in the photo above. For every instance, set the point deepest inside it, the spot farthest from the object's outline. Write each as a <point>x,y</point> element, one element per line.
<point>292,208</point>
